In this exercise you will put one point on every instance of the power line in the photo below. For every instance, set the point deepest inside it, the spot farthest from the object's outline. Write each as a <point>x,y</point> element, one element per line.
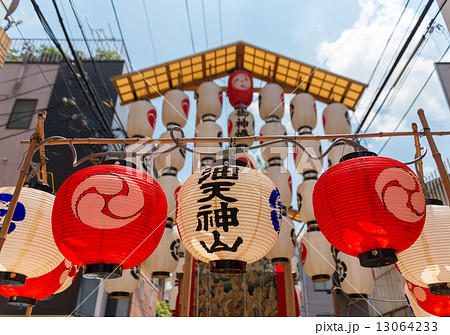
<point>415,99</point>
<point>121,35</point>
<point>150,32</point>
<point>397,60</point>
<point>190,27</point>
<point>204,24</point>
<point>220,22</point>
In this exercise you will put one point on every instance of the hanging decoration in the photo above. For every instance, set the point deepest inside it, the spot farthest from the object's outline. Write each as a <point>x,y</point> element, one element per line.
<point>281,177</point>
<point>141,119</point>
<point>427,262</point>
<point>231,216</point>
<point>29,250</point>
<point>336,120</point>
<point>121,288</point>
<point>240,89</point>
<point>163,261</point>
<point>241,123</point>
<point>303,113</point>
<point>271,102</point>
<point>338,152</point>
<point>96,207</point>
<point>68,276</point>
<point>171,185</point>
<point>37,288</point>
<point>413,305</point>
<point>284,248</point>
<point>304,200</point>
<point>436,305</point>
<point>173,295</point>
<point>175,110</point>
<point>317,260</point>
<point>294,266</point>
<point>209,100</point>
<point>208,128</point>
<point>274,153</point>
<point>356,281</point>
<point>370,207</point>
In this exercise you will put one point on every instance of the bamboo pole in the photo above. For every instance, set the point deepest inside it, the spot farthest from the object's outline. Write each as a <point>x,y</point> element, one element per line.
<point>185,294</point>
<point>22,177</point>
<point>40,130</point>
<point>29,310</point>
<point>195,140</point>
<point>289,288</point>
<point>418,152</point>
<point>436,155</point>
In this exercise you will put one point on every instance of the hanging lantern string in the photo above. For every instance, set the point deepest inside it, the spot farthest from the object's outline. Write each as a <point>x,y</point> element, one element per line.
<point>177,143</point>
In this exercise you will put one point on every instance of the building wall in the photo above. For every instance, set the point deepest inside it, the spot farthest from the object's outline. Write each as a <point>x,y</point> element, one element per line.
<point>143,300</point>
<point>36,83</point>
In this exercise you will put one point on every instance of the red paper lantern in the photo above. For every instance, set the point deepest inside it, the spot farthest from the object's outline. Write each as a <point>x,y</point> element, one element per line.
<point>240,88</point>
<point>438,305</point>
<point>370,207</point>
<point>39,288</point>
<point>108,217</point>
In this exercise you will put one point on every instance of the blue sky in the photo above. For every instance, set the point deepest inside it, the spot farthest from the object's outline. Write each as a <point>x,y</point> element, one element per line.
<point>342,36</point>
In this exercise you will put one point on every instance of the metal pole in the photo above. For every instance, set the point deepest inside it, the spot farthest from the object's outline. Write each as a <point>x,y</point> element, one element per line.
<point>436,155</point>
<point>22,177</point>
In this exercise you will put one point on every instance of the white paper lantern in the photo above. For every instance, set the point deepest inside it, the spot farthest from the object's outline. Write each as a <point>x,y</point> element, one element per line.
<point>231,217</point>
<point>303,112</point>
<point>121,288</point>
<point>208,128</point>
<point>427,262</point>
<point>271,101</point>
<point>414,306</point>
<point>317,258</point>
<point>336,120</point>
<point>141,119</point>
<point>241,123</point>
<point>175,108</point>
<point>171,185</point>
<point>298,292</point>
<point>355,280</point>
<point>281,177</point>
<point>29,250</point>
<point>209,100</point>
<point>294,267</point>
<point>173,160</point>
<point>305,164</point>
<point>274,151</point>
<point>304,201</point>
<point>173,295</point>
<point>247,158</point>
<point>179,270</point>
<point>338,151</point>
<point>163,261</point>
<point>284,248</point>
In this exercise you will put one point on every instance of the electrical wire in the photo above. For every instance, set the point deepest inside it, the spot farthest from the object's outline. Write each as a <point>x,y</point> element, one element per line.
<point>150,31</point>
<point>121,34</point>
<point>220,22</point>
<point>190,26</point>
<point>204,24</point>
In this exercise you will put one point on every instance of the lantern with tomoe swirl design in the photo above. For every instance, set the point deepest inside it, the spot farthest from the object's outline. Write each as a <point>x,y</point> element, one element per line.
<point>231,216</point>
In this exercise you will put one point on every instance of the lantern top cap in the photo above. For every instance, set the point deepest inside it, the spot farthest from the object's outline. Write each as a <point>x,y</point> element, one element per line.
<point>357,154</point>
<point>437,202</point>
<point>39,186</point>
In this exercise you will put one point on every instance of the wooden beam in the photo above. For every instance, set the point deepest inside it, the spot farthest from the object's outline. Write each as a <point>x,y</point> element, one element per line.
<point>289,288</point>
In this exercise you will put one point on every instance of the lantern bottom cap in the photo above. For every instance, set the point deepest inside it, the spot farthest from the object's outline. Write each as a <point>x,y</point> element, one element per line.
<point>12,278</point>
<point>358,296</point>
<point>377,258</point>
<point>227,266</point>
<point>320,278</point>
<point>280,260</point>
<point>119,295</point>
<point>22,301</point>
<point>179,275</point>
<point>98,271</point>
<point>160,274</point>
<point>440,288</point>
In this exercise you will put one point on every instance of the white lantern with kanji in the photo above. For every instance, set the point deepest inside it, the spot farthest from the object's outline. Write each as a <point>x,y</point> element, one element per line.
<point>281,177</point>
<point>241,123</point>
<point>163,261</point>
<point>317,258</point>
<point>284,248</point>
<point>304,200</point>
<point>303,112</point>
<point>209,100</point>
<point>29,250</point>
<point>173,160</point>
<point>141,119</point>
<point>336,119</point>
<point>337,152</point>
<point>355,280</point>
<point>305,164</point>
<point>427,262</point>
<point>171,185</point>
<point>175,110</point>
<point>232,216</point>
<point>271,101</point>
<point>121,288</point>
<point>277,151</point>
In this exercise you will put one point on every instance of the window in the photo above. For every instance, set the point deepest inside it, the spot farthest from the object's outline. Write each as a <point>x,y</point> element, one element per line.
<point>21,114</point>
<point>322,286</point>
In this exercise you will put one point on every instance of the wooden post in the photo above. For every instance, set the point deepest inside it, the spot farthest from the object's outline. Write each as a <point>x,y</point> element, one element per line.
<point>289,288</point>
<point>22,177</point>
<point>29,310</point>
<point>185,288</point>
<point>40,131</point>
<point>436,155</point>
